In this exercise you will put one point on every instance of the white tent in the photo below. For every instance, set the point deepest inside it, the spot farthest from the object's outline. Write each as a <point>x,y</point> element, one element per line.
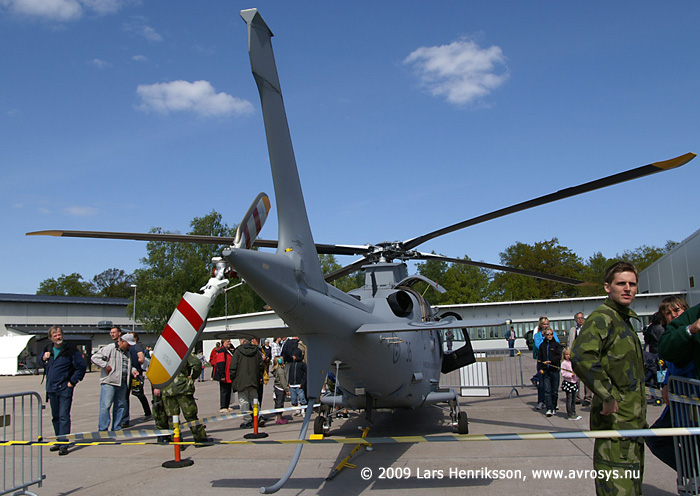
<point>10,348</point>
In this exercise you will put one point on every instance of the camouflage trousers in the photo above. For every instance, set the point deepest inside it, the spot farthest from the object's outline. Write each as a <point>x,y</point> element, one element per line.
<point>186,403</point>
<point>619,465</point>
<point>159,415</point>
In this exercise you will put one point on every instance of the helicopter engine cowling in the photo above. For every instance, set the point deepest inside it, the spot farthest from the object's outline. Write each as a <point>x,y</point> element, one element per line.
<point>400,303</point>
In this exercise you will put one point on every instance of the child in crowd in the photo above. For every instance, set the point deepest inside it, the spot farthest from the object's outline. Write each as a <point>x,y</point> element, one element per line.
<point>297,380</point>
<point>569,385</point>
<point>280,388</point>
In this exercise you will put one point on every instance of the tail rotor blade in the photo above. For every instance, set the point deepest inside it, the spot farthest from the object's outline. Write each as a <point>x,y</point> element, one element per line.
<point>181,333</point>
<point>252,222</point>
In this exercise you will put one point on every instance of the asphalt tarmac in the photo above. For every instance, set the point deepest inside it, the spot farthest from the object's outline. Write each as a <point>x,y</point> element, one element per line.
<point>484,468</point>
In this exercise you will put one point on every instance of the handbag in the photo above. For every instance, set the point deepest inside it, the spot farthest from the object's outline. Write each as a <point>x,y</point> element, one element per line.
<point>136,386</point>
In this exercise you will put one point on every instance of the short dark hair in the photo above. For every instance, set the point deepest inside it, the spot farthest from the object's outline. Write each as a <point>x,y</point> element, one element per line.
<point>619,267</point>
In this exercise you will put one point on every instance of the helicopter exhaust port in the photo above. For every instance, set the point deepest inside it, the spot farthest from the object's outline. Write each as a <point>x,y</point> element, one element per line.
<point>400,303</point>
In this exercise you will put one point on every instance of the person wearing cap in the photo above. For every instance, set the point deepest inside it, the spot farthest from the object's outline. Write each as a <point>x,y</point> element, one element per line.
<point>135,386</point>
<point>114,361</point>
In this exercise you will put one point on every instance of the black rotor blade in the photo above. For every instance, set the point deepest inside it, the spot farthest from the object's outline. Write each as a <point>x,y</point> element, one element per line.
<point>348,269</point>
<point>621,177</point>
<point>173,238</point>
<point>195,238</point>
<point>323,249</point>
<point>503,268</point>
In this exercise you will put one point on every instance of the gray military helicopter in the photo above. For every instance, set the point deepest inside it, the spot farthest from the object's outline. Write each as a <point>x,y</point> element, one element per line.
<point>383,339</point>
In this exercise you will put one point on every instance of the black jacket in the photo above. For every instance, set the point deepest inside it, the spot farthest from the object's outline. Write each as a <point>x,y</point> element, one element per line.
<point>246,367</point>
<point>549,350</point>
<point>68,366</point>
<point>297,373</point>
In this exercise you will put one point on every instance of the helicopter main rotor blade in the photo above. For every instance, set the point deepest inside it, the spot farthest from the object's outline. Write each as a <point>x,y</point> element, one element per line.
<point>348,269</point>
<point>621,177</point>
<point>172,238</point>
<point>195,238</point>
<point>503,268</point>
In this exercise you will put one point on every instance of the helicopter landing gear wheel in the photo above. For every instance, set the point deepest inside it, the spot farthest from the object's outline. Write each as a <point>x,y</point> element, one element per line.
<point>462,423</point>
<point>318,424</point>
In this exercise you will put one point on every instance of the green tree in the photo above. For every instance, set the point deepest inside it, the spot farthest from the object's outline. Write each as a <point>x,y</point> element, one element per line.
<point>435,270</point>
<point>644,256</point>
<point>171,269</point>
<point>345,283</point>
<point>465,284</point>
<point>113,283</point>
<point>594,273</point>
<point>548,257</point>
<point>66,285</point>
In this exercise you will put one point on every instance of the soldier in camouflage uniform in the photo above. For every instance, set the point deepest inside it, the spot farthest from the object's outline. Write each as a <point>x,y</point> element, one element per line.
<point>607,357</point>
<point>179,395</point>
<point>159,415</point>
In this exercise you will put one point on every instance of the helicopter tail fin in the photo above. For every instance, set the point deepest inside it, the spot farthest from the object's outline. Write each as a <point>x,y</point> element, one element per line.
<point>295,238</point>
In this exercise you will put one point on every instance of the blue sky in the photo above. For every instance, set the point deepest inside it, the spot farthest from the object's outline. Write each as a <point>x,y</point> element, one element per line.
<point>123,115</point>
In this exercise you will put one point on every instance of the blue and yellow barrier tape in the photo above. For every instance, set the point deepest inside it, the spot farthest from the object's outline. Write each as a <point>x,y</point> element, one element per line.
<point>524,436</point>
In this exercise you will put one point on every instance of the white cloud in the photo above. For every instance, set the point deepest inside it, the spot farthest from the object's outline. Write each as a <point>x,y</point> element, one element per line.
<point>140,58</point>
<point>61,10</point>
<point>461,71</point>
<point>100,64</point>
<point>103,6</point>
<point>199,97</point>
<point>139,27</point>
<point>80,211</point>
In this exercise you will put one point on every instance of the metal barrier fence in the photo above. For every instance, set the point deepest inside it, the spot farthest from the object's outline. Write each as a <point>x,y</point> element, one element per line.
<point>501,368</point>
<point>20,420</point>
<point>685,412</point>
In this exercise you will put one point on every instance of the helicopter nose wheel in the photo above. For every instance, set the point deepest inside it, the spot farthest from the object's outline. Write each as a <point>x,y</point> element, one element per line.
<point>322,425</point>
<point>459,419</point>
<point>462,423</point>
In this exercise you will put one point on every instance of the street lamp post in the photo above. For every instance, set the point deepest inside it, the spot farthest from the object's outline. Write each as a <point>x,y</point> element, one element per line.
<point>133,317</point>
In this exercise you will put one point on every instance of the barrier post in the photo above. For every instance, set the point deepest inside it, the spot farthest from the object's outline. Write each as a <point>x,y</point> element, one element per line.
<point>494,368</point>
<point>255,434</point>
<point>684,395</point>
<point>177,462</point>
<point>20,420</point>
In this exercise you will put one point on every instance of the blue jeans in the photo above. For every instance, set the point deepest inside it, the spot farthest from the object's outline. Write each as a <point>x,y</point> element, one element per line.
<point>550,378</point>
<point>61,402</point>
<point>109,395</point>
<point>511,345</point>
<point>297,395</point>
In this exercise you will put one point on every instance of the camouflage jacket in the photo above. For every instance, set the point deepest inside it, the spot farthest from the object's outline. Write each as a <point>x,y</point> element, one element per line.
<point>607,357</point>
<point>184,380</point>
<point>677,345</point>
